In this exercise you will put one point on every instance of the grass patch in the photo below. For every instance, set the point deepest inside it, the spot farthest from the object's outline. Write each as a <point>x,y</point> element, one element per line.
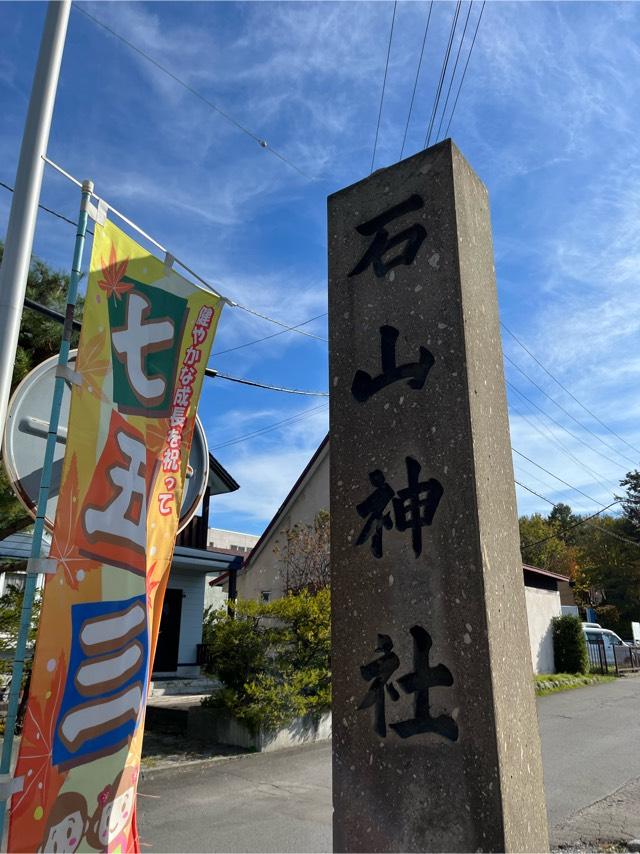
<point>552,683</point>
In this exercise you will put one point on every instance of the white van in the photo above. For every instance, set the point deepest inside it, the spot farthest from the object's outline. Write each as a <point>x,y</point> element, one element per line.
<point>596,634</point>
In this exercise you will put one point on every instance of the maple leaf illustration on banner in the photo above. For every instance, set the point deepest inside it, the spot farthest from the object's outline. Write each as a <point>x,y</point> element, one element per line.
<point>41,780</point>
<point>63,547</point>
<point>113,272</point>
<point>156,434</point>
<point>92,368</point>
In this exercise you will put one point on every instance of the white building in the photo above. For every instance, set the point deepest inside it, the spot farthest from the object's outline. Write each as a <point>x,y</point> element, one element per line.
<point>234,541</point>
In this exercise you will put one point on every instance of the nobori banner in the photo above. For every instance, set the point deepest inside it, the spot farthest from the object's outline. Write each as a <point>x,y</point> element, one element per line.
<point>145,342</point>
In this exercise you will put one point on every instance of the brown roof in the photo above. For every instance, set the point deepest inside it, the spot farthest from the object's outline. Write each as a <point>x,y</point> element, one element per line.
<point>539,571</point>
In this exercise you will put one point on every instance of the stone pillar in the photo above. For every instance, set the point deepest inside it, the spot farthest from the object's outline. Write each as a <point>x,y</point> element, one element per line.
<point>435,734</point>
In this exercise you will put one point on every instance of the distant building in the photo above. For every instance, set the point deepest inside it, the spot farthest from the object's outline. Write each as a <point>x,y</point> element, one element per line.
<point>234,541</point>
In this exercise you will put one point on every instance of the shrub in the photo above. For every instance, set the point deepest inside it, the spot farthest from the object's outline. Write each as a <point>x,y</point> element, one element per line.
<point>569,645</point>
<point>272,658</point>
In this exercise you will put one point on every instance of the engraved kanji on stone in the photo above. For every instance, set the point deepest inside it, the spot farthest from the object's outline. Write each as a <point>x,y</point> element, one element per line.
<point>414,507</point>
<point>419,682</point>
<point>364,386</point>
<point>379,672</point>
<point>412,238</point>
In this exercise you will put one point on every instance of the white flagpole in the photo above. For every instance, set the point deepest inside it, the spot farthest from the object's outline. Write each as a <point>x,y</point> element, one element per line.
<point>24,207</point>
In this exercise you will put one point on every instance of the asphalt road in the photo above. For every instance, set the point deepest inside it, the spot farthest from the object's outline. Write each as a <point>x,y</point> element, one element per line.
<point>590,744</point>
<point>282,801</point>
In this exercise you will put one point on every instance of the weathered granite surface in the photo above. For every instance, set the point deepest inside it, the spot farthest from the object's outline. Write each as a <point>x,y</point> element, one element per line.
<point>477,783</point>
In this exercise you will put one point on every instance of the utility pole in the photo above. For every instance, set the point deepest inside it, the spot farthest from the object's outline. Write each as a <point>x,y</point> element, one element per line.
<point>26,196</point>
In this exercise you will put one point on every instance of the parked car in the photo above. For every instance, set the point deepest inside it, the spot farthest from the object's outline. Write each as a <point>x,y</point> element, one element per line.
<point>596,634</point>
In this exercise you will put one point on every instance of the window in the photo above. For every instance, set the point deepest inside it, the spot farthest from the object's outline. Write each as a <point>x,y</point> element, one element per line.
<point>265,595</point>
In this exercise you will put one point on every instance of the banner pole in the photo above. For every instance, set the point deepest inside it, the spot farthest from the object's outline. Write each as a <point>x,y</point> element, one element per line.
<point>38,531</point>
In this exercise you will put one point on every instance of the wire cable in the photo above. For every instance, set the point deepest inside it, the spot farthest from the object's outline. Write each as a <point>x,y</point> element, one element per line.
<point>586,521</point>
<point>546,471</point>
<point>568,453</point>
<point>48,210</point>
<point>261,142</point>
<point>267,337</point>
<point>300,416</point>
<point>453,73</point>
<point>159,246</point>
<point>443,71</point>
<point>565,389</point>
<point>568,414</point>
<point>211,372</point>
<point>285,326</point>
<point>464,73</point>
<point>384,85</point>
<point>415,83</point>
<point>569,528</point>
<point>555,439</point>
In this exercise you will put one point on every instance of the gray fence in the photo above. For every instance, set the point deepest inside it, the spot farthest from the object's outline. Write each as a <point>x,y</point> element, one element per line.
<point>597,656</point>
<point>626,659</point>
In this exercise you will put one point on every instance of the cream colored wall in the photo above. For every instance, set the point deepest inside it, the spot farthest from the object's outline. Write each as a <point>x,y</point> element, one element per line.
<point>263,573</point>
<point>542,607</point>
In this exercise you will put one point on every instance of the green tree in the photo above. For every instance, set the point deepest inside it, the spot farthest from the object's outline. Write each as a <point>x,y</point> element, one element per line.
<point>610,566</point>
<point>569,645</point>
<point>10,611</point>
<point>631,502</point>
<point>272,658</point>
<point>543,543</point>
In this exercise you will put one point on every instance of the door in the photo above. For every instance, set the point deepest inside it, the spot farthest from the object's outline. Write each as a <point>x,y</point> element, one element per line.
<point>166,660</point>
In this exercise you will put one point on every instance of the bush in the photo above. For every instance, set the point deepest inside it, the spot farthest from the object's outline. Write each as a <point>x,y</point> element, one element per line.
<point>272,658</point>
<point>569,645</point>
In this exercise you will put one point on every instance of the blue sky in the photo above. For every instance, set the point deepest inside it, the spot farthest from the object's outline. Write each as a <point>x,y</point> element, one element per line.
<point>548,117</point>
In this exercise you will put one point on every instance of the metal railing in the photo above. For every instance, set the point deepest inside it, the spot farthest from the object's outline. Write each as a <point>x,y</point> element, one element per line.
<point>626,659</point>
<point>597,656</point>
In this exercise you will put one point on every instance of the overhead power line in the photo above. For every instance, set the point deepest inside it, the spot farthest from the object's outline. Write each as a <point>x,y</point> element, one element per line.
<point>464,73</point>
<point>550,437</point>
<point>586,521</point>
<point>48,210</point>
<point>209,372</point>
<point>568,432</point>
<point>570,527</point>
<point>546,471</point>
<point>300,416</point>
<point>568,391</point>
<point>453,73</point>
<point>261,142</point>
<point>285,326</point>
<point>267,337</point>
<point>443,71</point>
<point>415,82</point>
<point>567,413</point>
<point>384,85</point>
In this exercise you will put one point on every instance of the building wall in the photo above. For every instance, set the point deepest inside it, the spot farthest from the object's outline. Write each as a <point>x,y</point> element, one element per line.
<point>219,538</point>
<point>542,607</point>
<point>192,586</point>
<point>263,573</point>
<point>214,597</point>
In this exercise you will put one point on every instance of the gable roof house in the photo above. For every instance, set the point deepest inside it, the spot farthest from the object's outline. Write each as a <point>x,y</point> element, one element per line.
<point>261,576</point>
